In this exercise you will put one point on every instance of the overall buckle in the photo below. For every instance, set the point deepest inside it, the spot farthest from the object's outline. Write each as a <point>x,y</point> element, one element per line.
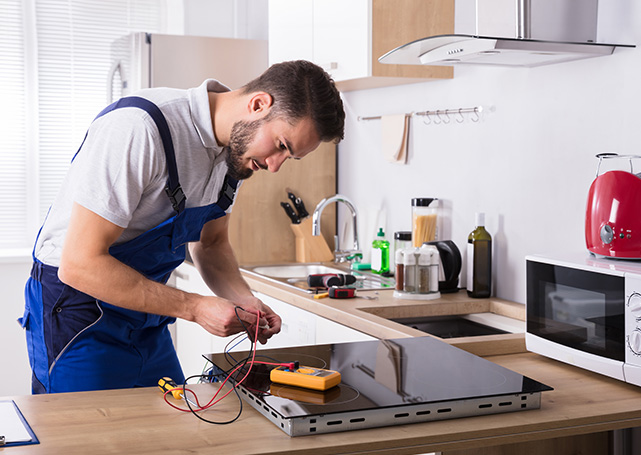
<point>227,193</point>
<point>177,197</point>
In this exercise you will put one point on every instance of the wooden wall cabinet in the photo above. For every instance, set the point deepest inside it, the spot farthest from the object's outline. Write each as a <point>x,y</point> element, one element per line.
<point>347,37</point>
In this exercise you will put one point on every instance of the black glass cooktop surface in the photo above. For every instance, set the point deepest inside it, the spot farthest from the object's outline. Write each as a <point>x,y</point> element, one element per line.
<point>383,382</point>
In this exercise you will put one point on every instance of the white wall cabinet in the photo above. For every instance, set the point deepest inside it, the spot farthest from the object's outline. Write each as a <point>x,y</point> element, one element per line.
<point>347,37</point>
<point>290,30</point>
<point>299,327</point>
<point>331,33</point>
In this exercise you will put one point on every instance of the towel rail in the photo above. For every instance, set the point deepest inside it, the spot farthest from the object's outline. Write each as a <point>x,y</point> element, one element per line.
<point>441,115</point>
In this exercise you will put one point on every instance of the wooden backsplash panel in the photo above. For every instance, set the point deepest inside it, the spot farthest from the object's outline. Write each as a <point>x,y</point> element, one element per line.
<point>259,230</point>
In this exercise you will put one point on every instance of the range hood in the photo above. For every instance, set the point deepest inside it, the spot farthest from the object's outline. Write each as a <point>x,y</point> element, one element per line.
<point>543,32</point>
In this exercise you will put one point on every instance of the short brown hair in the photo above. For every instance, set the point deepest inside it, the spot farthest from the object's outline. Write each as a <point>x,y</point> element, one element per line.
<point>302,89</point>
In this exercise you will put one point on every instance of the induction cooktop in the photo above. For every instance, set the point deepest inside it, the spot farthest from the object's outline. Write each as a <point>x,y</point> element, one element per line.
<point>384,382</point>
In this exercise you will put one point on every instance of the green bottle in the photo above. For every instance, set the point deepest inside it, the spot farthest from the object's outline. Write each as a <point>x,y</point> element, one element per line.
<point>380,253</point>
<point>479,260</point>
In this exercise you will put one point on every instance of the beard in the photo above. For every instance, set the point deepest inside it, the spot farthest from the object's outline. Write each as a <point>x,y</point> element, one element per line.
<point>242,133</point>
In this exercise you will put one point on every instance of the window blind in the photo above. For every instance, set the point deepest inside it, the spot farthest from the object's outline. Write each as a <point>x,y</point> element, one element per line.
<point>72,59</point>
<point>13,159</point>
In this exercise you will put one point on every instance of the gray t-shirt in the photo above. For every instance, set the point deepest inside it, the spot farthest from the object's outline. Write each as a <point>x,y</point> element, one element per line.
<point>121,172</point>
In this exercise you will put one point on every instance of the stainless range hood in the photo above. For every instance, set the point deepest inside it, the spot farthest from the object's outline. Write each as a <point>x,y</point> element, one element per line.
<point>543,32</point>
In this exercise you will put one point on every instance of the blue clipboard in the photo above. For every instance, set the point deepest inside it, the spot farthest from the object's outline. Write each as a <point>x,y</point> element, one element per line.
<point>34,439</point>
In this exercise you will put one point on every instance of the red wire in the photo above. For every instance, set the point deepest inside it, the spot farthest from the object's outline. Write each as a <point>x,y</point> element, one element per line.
<point>213,400</point>
<point>251,364</point>
<point>285,364</point>
<point>179,408</point>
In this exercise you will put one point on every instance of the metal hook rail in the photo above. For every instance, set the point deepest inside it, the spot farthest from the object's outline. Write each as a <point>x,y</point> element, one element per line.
<point>441,116</point>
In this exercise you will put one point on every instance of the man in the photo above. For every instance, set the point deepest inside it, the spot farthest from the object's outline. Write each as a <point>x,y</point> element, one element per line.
<point>158,171</point>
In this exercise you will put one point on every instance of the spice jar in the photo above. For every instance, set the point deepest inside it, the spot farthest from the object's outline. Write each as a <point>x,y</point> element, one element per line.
<point>402,240</point>
<point>409,270</point>
<point>424,220</point>
<point>427,270</point>
<point>423,266</point>
<point>400,269</point>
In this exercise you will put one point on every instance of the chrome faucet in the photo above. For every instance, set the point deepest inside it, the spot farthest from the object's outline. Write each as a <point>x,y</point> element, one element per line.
<point>355,254</point>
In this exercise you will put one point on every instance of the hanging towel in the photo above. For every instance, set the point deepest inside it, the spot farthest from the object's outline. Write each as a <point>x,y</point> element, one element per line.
<point>395,132</point>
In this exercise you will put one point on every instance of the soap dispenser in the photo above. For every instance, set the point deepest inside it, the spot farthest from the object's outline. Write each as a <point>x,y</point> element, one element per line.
<point>380,253</point>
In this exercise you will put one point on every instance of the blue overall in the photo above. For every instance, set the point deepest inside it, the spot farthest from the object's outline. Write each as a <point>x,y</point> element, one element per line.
<point>78,343</point>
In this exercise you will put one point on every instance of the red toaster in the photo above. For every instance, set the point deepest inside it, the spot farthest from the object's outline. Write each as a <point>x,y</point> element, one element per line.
<point>613,215</point>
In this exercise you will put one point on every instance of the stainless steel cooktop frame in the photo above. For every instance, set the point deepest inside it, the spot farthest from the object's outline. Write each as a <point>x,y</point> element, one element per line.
<point>395,415</point>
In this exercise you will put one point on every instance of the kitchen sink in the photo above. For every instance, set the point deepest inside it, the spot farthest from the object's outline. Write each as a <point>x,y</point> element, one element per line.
<point>295,275</point>
<point>453,326</point>
<point>294,270</point>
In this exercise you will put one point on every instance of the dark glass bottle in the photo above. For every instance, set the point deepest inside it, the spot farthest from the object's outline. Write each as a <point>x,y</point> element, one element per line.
<point>479,260</point>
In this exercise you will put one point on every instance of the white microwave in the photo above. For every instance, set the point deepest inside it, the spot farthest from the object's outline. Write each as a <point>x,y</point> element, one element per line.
<point>586,311</point>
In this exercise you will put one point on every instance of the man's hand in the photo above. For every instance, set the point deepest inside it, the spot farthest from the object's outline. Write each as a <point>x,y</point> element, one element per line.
<point>221,317</point>
<point>270,321</point>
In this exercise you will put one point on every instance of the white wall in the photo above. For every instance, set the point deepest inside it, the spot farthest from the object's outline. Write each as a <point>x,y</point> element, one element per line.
<point>528,163</point>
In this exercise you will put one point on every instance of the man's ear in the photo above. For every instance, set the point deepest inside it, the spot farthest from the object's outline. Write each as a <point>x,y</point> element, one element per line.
<point>260,102</point>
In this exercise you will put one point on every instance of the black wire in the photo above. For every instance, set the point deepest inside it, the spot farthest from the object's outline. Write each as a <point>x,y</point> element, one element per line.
<point>246,359</point>
<point>236,308</point>
<point>213,422</point>
<point>227,373</point>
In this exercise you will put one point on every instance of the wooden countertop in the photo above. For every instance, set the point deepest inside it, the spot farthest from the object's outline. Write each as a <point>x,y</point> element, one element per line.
<point>372,316</point>
<point>137,421</point>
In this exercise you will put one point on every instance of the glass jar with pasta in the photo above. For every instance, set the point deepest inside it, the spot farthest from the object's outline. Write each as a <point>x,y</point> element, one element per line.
<point>424,220</point>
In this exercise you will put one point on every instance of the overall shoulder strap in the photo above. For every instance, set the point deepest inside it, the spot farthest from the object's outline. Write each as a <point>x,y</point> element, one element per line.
<point>173,189</point>
<point>227,192</point>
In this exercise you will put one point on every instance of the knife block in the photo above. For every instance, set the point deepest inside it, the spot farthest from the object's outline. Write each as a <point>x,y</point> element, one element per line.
<point>310,248</point>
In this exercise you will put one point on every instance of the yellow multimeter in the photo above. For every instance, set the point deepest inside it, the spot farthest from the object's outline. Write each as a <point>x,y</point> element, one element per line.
<point>307,377</point>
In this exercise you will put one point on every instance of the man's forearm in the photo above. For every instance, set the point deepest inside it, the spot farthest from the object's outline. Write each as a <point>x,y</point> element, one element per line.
<point>112,281</point>
<point>86,265</point>
<point>109,280</point>
<point>219,269</point>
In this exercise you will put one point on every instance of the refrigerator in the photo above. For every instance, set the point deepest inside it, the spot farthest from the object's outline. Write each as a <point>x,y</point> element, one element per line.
<point>143,60</point>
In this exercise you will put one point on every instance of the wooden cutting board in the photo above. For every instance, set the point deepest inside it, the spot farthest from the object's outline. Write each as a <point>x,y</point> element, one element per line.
<point>259,230</point>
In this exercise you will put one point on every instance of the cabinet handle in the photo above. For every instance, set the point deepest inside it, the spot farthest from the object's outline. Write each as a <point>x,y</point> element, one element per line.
<point>329,66</point>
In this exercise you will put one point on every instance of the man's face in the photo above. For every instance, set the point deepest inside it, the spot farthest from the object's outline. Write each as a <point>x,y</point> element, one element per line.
<point>266,143</point>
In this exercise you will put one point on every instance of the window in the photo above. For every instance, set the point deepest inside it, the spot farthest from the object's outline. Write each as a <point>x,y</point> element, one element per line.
<point>13,130</point>
<point>54,61</point>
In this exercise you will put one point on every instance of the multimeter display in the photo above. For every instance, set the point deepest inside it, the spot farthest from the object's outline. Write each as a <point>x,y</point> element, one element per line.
<point>307,377</point>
